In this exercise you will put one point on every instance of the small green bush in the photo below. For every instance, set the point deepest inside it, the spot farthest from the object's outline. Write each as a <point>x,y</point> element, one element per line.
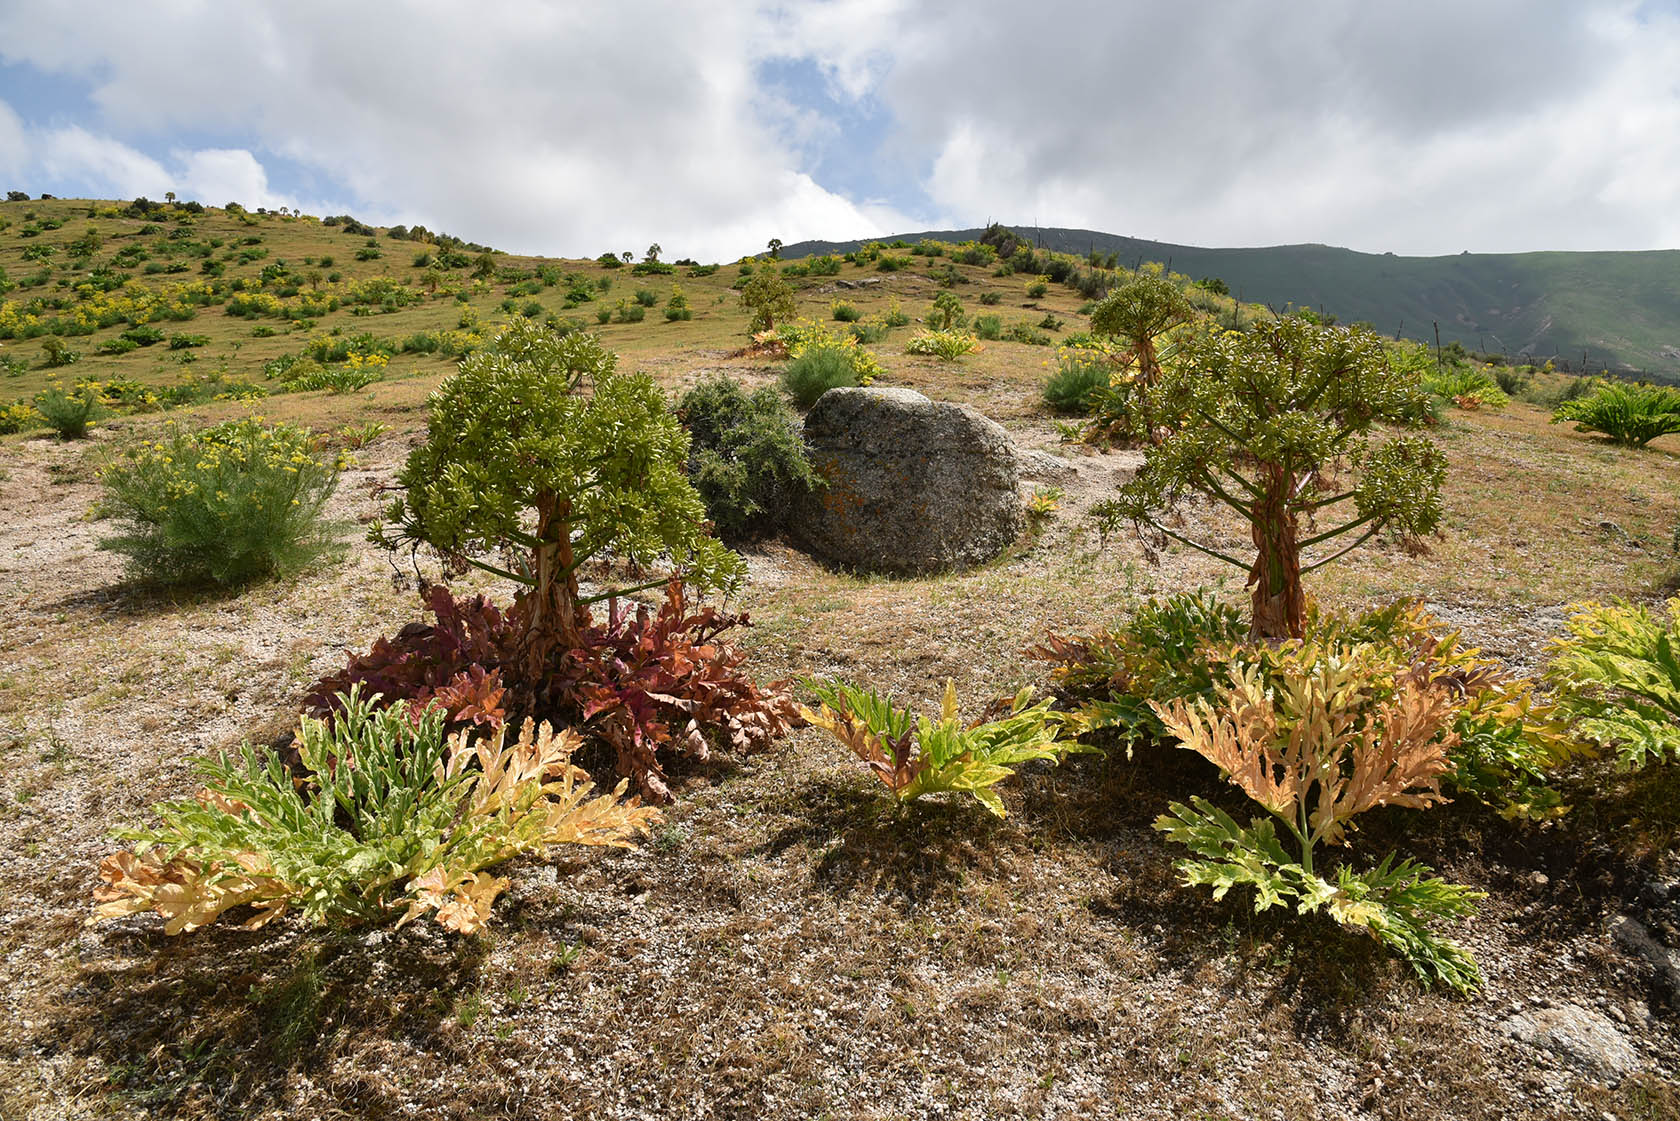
<point>895,316</point>
<point>1629,415</point>
<point>816,372</point>
<point>647,297</point>
<point>238,502</point>
<point>990,299</point>
<point>746,456</point>
<point>1080,376</point>
<point>1037,290</point>
<point>844,312</point>
<point>69,413</point>
<point>868,332</point>
<point>58,353</point>
<point>988,327</point>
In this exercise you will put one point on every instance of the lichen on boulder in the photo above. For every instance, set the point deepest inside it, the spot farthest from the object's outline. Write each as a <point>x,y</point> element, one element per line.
<point>913,486</point>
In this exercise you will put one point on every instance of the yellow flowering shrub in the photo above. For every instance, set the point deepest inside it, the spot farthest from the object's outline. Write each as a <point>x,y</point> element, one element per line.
<point>237,502</point>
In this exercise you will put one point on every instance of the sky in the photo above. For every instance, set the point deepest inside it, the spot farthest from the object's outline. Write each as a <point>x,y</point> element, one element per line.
<point>570,128</point>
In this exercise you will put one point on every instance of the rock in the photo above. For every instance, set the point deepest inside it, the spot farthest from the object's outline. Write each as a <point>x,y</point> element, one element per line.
<point>914,486</point>
<point>1632,936</point>
<point>1042,467</point>
<point>1584,1037</point>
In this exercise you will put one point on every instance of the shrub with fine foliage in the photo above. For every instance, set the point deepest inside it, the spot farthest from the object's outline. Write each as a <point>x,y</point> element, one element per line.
<point>746,456</point>
<point>237,502</point>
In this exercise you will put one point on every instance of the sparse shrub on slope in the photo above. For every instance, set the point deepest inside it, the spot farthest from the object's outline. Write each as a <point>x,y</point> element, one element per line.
<point>1630,415</point>
<point>913,755</point>
<point>237,502</point>
<point>1317,736</point>
<point>1617,673</point>
<point>746,456</point>
<point>69,412</point>
<point>388,821</point>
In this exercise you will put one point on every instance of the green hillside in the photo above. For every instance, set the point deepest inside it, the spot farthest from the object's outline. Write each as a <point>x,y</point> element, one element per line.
<point>1620,310</point>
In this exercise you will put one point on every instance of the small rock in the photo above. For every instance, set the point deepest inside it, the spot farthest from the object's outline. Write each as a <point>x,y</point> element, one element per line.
<point>1632,936</point>
<point>1042,467</point>
<point>1578,1034</point>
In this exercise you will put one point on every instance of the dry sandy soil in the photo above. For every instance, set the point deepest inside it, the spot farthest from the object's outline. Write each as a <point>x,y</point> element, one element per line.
<point>787,946</point>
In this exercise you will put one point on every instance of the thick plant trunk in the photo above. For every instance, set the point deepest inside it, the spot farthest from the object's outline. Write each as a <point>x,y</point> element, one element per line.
<point>555,619</point>
<point>1275,580</point>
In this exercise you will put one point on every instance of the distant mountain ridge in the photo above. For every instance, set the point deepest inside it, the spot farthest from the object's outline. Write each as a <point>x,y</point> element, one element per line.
<point>1615,310</point>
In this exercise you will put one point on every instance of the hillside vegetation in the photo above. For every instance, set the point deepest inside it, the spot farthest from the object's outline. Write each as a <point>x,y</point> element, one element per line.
<point>1037,839</point>
<point>1616,311</point>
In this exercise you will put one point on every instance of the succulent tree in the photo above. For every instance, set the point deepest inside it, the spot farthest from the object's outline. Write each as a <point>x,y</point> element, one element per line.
<point>1139,312</point>
<point>539,454</point>
<point>1277,425</point>
<point>769,298</point>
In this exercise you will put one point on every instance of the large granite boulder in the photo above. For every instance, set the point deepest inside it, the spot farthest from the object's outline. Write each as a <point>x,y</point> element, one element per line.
<point>913,486</point>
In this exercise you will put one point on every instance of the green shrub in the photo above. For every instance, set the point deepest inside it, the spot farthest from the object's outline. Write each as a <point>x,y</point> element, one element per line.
<point>988,327</point>
<point>746,456</point>
<point>647,297</point>
<point>187,342</point>
<point>1617,674</point>
<point>404,832</point>
<point>1026,333</point>
<point>1050,323</point>
<point>945,345</point>
<point>1038,289</point>
<point>821,360</point>
<point>816,372</point>
<point>867,332</point>
<point>990,299</point>
<point>603,315</point>
<point>111,347</point>
<point>1081,377</point>
<point>895,316</point>
<point>844,312</point>
<point>627,312</point>
<point>1629,415</point>
<point>676,308</point>
<point>69,413</point>
<point>58,353</point>
<point>947,313</point>
<point>238,502</point>
<point>144,335</point>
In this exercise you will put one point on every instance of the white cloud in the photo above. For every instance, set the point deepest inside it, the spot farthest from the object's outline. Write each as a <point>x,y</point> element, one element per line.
<point>1428,126</point>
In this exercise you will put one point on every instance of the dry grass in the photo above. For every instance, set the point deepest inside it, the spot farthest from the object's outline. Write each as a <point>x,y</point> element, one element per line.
<point>789,947</point>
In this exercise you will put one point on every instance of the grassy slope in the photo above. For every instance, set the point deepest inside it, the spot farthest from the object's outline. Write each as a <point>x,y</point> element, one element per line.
<point>1622,309</point>
<point>787,947</point>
